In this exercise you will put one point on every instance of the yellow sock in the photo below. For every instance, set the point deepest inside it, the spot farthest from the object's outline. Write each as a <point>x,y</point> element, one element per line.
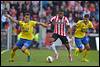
<point>26,51</point>
<point>85,53</point>
<point>12,54</point>
<point>77,49</point>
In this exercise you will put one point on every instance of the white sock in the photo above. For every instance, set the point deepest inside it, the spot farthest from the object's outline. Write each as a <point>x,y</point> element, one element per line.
<point>54,48</point>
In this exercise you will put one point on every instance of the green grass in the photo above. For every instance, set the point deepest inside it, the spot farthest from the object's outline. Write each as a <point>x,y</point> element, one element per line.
<point>38,58</point>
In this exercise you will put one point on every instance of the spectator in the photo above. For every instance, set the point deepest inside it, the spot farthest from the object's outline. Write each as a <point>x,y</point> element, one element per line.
<point>48,11</point>
<point>71,21</point>
<point>35,7</point>
<point>35,17</point>
<point>27,7</point>
<point>95,24</point>
<point>18,8</point>
<point>70,17</point>
<point>50,3</point>
<point>86,11</point>
<point>44,4</point>
<point>48,17</point>
<point>6,5</point>
<point>13,12</point>
<point>2,7</point>
<point>71,4</point>
<point>92,9</point>
<point>13,3</point>
<point>42,14</point>
<point>21,16</point>
<point>35,3</point>
<point>78,7</point>
<point>56,7</point>
<point>4,20</point>
<point>97,11</point>
<point>77,17</point>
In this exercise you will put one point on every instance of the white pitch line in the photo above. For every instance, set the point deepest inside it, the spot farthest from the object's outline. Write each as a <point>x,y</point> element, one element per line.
<point>3,51</point>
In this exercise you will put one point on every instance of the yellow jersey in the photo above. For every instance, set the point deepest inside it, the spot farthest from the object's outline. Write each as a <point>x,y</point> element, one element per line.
<point>27,29</point>
<point>82,26</point>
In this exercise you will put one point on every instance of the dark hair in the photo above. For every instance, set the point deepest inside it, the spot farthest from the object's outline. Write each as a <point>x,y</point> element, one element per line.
<point>86,15</point>
<point>60,11</point>
<point>27,13</point>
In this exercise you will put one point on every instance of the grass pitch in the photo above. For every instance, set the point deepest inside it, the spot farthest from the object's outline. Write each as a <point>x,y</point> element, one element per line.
<point>38,58</point>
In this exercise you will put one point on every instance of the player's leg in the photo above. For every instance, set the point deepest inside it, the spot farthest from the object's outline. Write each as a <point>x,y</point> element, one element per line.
<point>36,38</point>
<point>85,40</point>
<point>13,53</point>
<point>65,42</point>
<point>56,55</point>
<point>71,42</point>
<point>54,38</point>
<point>25,50</point>
<point>79,46</point>
<point>18,45</point>
<point>18,37</point>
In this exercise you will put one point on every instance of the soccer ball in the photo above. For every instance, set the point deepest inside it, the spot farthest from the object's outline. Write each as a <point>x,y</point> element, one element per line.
<point>49,59</point>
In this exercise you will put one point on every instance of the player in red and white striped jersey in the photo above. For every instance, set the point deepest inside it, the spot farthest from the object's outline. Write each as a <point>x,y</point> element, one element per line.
<point>61,27</point>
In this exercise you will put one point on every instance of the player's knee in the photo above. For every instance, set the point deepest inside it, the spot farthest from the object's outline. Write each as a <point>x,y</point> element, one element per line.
<point>88,47</point>
<point>15,48</point>
<point>23,49</point>
<point>67,46</point>
<point>80,50</point>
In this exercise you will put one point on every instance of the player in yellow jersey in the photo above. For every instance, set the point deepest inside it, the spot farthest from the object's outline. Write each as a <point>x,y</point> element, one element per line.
<point>26,35</point>
<point>81,38</point>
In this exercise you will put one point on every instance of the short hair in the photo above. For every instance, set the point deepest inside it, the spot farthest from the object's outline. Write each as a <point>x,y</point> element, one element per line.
<point>27,13</point>
<point>61,11</point>
<point>86,16</point>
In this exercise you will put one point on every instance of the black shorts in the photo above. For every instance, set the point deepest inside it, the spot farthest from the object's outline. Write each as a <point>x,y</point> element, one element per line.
<point>62,38</point>
<point>49,31</point>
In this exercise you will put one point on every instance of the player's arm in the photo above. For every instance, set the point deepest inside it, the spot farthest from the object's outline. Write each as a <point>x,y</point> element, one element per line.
<point>42,24</point>
<point>11,18</point>
<point>69,30</point>
<point>78,25</point>
<point>91,28</point>
<point>47,24</point>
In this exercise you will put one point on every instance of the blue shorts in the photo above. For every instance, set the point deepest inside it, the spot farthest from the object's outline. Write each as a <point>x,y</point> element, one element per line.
<point>23,42</point>
<point>81,41</point>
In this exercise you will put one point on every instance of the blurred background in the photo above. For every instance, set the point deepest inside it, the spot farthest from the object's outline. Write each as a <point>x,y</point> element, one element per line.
<point>42,11</point>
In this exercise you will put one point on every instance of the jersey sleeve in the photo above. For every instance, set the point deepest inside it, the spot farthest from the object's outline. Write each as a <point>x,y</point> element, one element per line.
<point>52,19</point>
<point>33,23</point>
<point>78,24</point>
<point>67,21</point>
<point>90,24</point>
<point>20,23</point>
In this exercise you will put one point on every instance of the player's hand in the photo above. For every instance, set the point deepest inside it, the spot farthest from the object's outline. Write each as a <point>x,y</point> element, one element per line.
<point>84,30</point>
<point>7,15</point>
<point>94,31</point>
<point>70,36</point>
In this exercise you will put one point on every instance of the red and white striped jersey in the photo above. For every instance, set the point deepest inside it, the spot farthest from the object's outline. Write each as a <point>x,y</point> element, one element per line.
<point>60,25</point>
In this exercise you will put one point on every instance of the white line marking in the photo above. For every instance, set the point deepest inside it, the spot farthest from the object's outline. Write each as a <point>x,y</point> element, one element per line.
<point>3,51</point>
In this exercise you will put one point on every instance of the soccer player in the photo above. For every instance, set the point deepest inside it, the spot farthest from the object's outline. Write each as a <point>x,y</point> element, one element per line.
<point>26,35</point>
<point>71,42</point>
<point>61,27</point>
<point>49,40</point>
<point>81,36</point>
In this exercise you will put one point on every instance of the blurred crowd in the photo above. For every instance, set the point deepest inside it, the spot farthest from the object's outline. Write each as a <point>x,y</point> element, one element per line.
<point>44,10</point>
